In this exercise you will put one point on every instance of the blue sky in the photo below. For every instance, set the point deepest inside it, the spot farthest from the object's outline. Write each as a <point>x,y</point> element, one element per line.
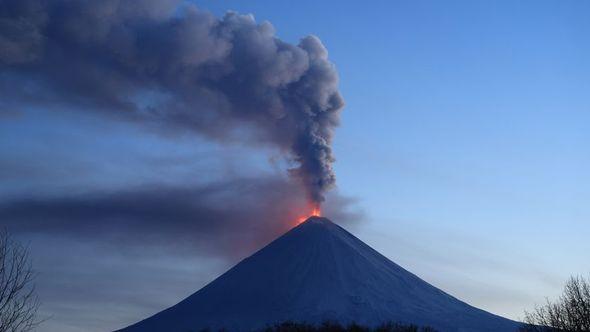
<point>464,142</point>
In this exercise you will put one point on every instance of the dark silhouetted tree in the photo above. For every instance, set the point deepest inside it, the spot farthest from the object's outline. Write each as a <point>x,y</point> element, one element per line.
<point>570,312</point>
<point>18,301</point>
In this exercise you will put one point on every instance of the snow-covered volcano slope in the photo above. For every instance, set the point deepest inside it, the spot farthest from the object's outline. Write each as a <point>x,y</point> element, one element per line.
<point>315,272</point>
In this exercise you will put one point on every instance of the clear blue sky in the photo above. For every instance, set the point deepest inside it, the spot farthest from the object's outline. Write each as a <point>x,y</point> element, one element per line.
<point>464,141</point>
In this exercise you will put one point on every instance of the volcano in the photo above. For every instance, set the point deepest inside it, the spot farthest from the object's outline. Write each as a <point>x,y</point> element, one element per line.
<point>314,273</point>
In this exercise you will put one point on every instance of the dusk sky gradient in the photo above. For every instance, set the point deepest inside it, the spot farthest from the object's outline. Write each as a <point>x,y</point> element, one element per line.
<point>462,155</point>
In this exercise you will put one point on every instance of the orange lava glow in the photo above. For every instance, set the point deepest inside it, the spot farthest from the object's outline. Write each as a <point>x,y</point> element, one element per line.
<point>315,212</point>
<point>301,219</point>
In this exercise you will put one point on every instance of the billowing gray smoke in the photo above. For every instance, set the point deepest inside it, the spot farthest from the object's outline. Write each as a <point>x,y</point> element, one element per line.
<point>168,64</point>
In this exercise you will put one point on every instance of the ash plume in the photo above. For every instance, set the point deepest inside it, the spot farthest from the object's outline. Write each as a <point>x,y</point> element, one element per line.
<point>221,219</point>
<point>170,65</point>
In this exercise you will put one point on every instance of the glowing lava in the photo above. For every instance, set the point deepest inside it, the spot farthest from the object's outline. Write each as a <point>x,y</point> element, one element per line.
<point>315,212</point>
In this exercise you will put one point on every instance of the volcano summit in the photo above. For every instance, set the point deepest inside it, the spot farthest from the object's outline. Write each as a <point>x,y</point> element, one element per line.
<point>316,272</point>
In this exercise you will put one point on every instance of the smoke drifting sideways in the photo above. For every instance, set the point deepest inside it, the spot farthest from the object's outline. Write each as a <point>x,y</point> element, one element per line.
<point>170,65</point>
<point>225,219</point>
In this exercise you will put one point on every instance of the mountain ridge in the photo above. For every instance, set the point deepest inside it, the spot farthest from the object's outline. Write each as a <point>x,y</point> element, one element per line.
<point>318,271</point>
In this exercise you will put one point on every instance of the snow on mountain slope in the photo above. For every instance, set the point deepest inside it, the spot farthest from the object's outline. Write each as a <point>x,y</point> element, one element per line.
<point>316,272</point>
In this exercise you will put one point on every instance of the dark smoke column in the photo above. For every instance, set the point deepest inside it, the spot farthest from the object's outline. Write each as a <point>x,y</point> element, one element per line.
<point>171,65</point>
<point>319,107</point>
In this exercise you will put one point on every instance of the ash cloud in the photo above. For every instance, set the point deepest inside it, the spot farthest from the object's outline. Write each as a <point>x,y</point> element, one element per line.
<point>171,65</point>
<point>116,247</point>
<point>227,218</point>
